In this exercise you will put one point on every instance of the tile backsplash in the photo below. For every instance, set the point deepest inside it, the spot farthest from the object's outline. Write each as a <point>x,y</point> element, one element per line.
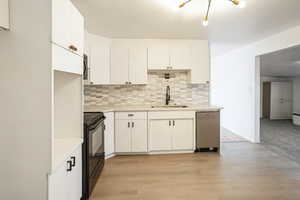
<point>153,93</point>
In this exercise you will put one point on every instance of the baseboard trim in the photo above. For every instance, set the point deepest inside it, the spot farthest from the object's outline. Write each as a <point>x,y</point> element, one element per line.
<point>110,156</point>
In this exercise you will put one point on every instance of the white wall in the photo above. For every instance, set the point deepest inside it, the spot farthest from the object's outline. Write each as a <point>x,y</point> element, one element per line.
<point>25,85</point>
<point>233,77</point>
<point>296,98</point>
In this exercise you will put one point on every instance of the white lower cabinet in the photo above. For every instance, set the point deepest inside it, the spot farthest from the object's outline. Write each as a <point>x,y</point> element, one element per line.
<point>66,182</point>
<point>109,137</point>
<point>123,135</point>
<point>170,131</point>
<point>160,135</point>
<point>131,132</point>
<point>182,134</point>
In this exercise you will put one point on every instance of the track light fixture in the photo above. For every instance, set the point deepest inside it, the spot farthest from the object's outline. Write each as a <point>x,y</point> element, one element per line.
<point>238,3</point>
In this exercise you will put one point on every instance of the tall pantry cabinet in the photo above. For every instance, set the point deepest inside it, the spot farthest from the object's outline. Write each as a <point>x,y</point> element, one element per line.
<point>65,178</point>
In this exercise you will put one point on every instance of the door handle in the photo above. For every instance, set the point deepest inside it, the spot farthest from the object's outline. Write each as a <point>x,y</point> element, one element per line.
<point>128,124</point>
<point>173,122</point>
<point>132,124</point>
<point>73,159</point>
<point>169,123</point>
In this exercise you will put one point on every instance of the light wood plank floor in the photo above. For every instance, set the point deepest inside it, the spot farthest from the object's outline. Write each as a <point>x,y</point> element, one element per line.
<point>244,171</point>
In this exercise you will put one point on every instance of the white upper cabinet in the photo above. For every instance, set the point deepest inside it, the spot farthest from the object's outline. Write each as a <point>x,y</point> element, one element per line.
<point>98,50</point>
<point>61,22</point>
<point>67,37</point>
<point>99,65</point>
<point>119,65</point>
<point>158,57</point>
<point>67,26</point>
<point>138,65</point>
<point>76,30</point>
<point>180,57</point>
<point>128,65</point>
<point>200,64</point>
<point>4,14</point>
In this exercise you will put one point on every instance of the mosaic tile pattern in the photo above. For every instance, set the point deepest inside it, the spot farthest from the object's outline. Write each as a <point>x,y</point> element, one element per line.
<point>153,93</point>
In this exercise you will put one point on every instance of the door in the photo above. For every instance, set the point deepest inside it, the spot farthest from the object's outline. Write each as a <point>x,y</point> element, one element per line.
<point>109,134</point>
<point>61,22</point>
<point>58,183</point>
<point>74,186</point>
<point>76,29</point>
<point>138,65</point>
<point>122,136</point>
<point>281,100</point>
<point>139,136</point>
<point>200,65</point>
<point>158,57</point>
<point>119,65</point>
<point>160,135</point>
<point>99,65</point>
<point>180,57</point>
<point>266,99</point>
<point>182,134</point>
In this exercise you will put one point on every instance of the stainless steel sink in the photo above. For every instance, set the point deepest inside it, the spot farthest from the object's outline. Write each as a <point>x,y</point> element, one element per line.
<point>170,106</point>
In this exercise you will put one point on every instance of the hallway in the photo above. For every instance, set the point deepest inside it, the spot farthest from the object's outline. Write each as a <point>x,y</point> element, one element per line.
<point>282,137</point>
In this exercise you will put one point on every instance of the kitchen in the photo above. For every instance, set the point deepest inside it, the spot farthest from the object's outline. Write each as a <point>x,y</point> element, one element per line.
<point>102,102</point>
<point>153,93</point>
<point>147,90</point>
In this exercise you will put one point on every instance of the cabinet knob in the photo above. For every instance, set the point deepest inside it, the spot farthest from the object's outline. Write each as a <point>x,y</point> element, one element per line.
<point>73,48</point>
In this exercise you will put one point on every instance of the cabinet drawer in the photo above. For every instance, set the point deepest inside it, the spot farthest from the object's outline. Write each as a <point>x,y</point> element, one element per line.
<point>172,115</point>
<point>131,115</point>
<point>66,61</point>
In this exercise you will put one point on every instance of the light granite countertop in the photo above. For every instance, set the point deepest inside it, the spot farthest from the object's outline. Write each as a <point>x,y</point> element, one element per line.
<point>148,108</point>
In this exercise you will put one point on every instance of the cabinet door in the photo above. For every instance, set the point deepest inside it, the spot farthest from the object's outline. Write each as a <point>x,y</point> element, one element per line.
<point>58,183</point>
<point>4,14</point>
<point>158,57</point>
<point>74,186</point>
<point>61,22</point>
<point>76,29</point>
<point>119,65</point>
<point>160,135</point>
<point>139,136</point>
<point>109,143</point>
<point>180,57</point>
<point>138,65</point>
<point>99,65</point>
<point>122,136</point>
<point>200,72</point>
<point>182,134</point>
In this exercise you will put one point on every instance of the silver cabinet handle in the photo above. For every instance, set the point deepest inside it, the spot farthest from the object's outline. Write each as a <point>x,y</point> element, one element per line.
<point>130,115</point>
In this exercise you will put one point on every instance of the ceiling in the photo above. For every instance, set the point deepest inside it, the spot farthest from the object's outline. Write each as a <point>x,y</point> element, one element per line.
<point>281,63</point>
<point>229,26</point>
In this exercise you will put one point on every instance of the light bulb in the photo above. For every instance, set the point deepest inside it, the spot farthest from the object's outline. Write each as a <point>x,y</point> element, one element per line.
<point>205,22</point>
<point>242,4</point>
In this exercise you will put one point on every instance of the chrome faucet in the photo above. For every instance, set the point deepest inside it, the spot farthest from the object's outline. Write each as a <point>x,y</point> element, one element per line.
<point>168,95</point>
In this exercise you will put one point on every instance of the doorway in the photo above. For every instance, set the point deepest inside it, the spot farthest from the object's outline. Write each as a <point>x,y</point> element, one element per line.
<point>266,100</point>
<point>279,82</point>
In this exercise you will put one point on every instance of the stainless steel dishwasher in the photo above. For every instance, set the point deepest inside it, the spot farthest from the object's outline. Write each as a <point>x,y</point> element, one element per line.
<point>208,131</point>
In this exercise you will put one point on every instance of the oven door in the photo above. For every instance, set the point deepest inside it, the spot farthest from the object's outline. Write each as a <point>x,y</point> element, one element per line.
<point>96,146</point>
